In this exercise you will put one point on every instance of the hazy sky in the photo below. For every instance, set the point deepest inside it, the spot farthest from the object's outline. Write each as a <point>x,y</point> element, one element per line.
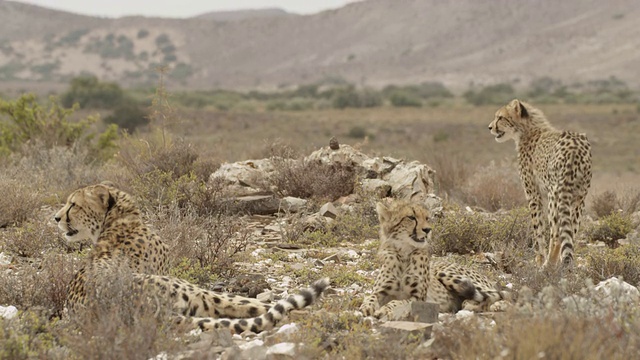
<point>181,8</point>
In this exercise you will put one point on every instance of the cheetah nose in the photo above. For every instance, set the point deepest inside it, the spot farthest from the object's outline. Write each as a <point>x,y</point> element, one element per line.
<point>56,218</point>
<point>426,230</point>
<point>490,127</point>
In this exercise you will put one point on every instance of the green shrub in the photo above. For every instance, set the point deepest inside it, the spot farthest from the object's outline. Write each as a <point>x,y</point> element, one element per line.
<point>497,94</point>
<point>404,99</point>
<point>350,97</point>
<point>89,92</point>
<point>463,232</point>
<point>357,132</point>
<point>610,229</point>
<point>26,121</point>
<point>128,115</point>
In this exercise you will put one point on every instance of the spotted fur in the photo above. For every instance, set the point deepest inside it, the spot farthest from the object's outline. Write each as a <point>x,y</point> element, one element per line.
<point>408,274</point>
<point>111,220</point>
<point>554,163</point>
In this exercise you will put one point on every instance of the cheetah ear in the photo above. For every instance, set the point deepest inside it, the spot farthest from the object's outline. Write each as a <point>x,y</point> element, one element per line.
<point>383,211</point>
<point>519,108</point>
<point>105,196</point>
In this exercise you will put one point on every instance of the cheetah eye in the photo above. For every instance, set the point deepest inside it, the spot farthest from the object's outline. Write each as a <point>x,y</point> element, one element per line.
<point>412,218</point>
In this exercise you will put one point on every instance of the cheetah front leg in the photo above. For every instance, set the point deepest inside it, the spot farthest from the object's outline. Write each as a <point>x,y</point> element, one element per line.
<point>414,284</point>
<point>387,283</point>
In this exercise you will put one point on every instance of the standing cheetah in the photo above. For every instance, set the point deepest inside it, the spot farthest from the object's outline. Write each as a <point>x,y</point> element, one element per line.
<point>408,273</point>
<point>122,241</point>
<point>554,162</point>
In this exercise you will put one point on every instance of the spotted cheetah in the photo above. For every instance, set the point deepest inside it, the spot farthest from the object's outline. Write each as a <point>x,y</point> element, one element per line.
<point>408,273</point>
<point>112,221</point>
<point>552,162</point>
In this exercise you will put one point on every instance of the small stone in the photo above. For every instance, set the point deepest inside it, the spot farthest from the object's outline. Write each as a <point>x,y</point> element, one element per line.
<point>329,211</point>
<point>408,328</point>
<point>288,328</point>
<point>334,144</point>
<point>8,312</point>
<point>286,349</point>
<point>335,257</point>
<point>265,296</point>
<point>417,311</point>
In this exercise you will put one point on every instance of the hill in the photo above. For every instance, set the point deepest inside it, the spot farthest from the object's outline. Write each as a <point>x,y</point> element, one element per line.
<point>373,42</point>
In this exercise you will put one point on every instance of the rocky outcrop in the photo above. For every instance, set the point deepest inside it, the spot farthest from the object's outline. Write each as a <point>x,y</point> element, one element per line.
<point>376,176</point>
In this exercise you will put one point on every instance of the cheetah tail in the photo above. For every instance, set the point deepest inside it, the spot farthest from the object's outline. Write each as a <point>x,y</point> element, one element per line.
<point>267,321</point>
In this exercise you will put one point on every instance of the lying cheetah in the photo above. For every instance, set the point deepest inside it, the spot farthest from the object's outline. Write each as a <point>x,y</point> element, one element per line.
<point>551,161</point>
<point>111,220</point>
<point>407,273</point>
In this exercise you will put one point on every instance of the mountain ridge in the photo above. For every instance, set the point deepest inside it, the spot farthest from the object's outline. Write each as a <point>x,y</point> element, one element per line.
<point>372,43</point>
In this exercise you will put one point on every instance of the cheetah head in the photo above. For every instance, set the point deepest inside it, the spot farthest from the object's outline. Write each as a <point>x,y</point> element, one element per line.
<point>82,217</point>
<point>404,224</point>
<point>503,126</point>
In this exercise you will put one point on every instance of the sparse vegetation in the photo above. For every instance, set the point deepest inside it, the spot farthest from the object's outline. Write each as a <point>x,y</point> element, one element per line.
<point>167,166</point>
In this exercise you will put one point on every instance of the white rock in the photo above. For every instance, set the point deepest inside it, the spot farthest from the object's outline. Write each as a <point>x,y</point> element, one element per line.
<point>5,259</point>
<point>293,204</point>
<point>352,254</point>
<point>616,288</point>
<point>288,329</point>
<point>251,344</point>
<point>286,348</point>
<point>8,312</point>
<point>464,314</point>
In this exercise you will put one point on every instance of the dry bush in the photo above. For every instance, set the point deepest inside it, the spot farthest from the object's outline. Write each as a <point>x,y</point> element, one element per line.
<point>493,188</point>
<point>120,320</point>
<point>460,231</point>
<point>610,229</point>
<point>608,202</point>
<point>18,201</point>
<point>202,247</point>
<point>42,285</point>
<point>605,203</point>
<point>32,239</point>
<point>452,172</point>
<point>548,336</point>
<point>621,262</point>
<point>141,156</point>
<point>59,168</point>
<point>312,180</point>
